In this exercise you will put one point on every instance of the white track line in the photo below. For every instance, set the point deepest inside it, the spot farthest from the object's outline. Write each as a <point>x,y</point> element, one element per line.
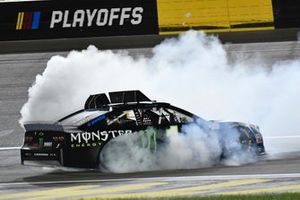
<point>282,137</point>
<point>9,148</point>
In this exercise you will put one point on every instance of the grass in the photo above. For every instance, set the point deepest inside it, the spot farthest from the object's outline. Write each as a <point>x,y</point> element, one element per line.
<point>274,196</point>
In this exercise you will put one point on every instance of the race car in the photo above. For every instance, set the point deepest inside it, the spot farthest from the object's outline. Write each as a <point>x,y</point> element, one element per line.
<point>78,139</point>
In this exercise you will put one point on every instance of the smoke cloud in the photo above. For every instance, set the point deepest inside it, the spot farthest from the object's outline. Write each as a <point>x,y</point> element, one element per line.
<point>195,148</point>
<point>193,72</point>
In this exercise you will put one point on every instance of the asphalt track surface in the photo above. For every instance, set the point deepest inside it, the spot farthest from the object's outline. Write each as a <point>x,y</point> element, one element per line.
<point>272,173</point>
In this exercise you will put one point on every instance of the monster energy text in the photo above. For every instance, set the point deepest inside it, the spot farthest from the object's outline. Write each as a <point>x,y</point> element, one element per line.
<point>93,139</point>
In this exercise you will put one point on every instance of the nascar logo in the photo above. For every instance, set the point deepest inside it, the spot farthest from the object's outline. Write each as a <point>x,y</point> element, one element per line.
<point>28,20</point>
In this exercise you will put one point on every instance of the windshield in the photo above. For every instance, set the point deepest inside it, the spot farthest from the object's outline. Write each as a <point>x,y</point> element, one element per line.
<point>82,117</point>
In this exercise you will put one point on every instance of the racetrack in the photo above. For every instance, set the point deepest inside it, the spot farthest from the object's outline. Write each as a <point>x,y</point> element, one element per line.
<point>32,182</point>
<point>17,73</point>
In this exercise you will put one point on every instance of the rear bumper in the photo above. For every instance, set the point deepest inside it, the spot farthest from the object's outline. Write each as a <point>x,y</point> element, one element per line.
<point>28,154</point>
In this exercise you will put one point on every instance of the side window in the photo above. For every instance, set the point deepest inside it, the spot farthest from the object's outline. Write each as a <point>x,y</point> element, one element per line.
<point>133,117</point>
<point>245,135</point>
<point>144,116</point>
<point>178,117</point>
<point>126,117</point>
<point>170,116</point>
<point>152,116</point>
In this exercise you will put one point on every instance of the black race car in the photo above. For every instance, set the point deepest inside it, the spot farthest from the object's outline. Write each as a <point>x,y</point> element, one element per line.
<point>78,139</point>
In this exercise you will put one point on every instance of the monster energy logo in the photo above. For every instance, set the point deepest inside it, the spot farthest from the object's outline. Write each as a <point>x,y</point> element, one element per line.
<point>92,139</point>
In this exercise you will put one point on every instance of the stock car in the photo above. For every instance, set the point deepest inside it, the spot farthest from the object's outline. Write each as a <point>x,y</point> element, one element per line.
<point>78,139</point>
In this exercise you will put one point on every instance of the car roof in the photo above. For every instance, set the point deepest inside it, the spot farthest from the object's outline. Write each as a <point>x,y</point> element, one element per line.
<point>122,100</point>
<point>128,106</point>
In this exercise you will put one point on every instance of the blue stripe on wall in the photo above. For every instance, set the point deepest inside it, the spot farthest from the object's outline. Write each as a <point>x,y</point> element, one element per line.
<point>36,20</point>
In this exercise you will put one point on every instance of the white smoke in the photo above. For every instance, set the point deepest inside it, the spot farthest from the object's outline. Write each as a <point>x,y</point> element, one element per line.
<point>195,148</point>
<point>192,72</point>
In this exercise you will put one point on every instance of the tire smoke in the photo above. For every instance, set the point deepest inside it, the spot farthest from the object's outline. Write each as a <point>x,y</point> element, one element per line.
<point>192,71</point>
<point>195,148</point>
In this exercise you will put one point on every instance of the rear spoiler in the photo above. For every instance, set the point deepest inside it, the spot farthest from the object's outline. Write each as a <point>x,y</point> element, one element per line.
<point>43,127</point>
<point>101,101</point>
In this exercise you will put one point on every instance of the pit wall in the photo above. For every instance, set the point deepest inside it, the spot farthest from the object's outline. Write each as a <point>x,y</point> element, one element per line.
<point>52,19</point>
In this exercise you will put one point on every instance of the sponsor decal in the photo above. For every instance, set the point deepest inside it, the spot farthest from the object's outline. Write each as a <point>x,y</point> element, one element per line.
<point>48,144</point>
<point>57,139</point>
<point>93,139</point>
<point>96,120</point>
<point>28,20</point>
<point>96,17</point>
<point>259,138</point>
<point>42,154</point>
